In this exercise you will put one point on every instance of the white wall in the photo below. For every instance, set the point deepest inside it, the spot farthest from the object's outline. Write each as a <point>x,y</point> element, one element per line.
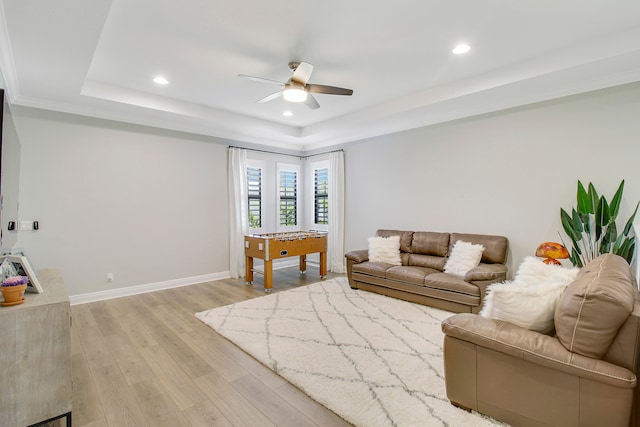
<point>151,205</point>
<point>506,173</point>
<point>10,178</point>
<point>147,205</point>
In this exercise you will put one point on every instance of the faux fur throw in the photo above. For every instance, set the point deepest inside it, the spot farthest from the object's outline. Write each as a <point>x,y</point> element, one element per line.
<point>530,299</point>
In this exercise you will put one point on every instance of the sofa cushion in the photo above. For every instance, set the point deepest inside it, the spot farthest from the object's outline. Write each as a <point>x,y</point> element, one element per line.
<point>451,283</point>
<point>413,275</point>
<point>428,243</point>
<point>405,238</point>
<point>371,268</point>
<point>595,305</point>
<point>429,261</point>
<point>464,256</point>
<point>495,247</point>
<point>487,272</point>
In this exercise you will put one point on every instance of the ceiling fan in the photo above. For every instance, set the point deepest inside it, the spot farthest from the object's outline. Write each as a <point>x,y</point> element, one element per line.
<point>296,89</point>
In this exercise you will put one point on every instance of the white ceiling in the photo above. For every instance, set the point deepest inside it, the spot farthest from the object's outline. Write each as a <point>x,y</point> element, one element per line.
<point>98,58</point>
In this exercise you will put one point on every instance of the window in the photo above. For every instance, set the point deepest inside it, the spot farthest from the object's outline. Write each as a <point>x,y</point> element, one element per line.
<point>288,194</point>
<point>321,196</point>
<point>254,191</point>
<point>288,197</point>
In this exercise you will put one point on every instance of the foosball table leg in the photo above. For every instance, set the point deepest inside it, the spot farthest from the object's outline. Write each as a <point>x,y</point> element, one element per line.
<point>268,275</point>
<point>323,265</point>
<point>249,269</point>
<point>303,264</point>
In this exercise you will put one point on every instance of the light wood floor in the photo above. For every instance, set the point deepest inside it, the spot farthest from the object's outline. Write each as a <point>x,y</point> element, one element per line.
<point>145,360</point>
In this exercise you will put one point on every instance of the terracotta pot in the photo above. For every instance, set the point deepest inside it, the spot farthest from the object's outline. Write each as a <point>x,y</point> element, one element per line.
<point>13,294</point>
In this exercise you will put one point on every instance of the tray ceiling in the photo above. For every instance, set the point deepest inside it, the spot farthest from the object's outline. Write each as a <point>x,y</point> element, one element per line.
<point>98,59</point>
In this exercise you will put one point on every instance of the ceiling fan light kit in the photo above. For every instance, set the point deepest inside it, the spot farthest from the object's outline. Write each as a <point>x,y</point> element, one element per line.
<point>296,89</point>
<point>295,93</point>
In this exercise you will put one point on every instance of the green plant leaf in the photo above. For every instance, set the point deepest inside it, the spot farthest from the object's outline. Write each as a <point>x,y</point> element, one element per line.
<point>612,232</point>
<point>584,200</point>
<point>618,244</point>
<point>614,208</point>
<point>626,250</point>
<point>604,248</point>
<point>592,227</point>
<point>609,236</point>
<point>584,221</point>
<point>632,249</point>
<point>629,224</point>
<point>621,249</point>
<point>576,247</point>
<point>595,199</point>
<point>568,225</point>
<point>602,216</point>
<point>579,222</point>
<point>575,258</point>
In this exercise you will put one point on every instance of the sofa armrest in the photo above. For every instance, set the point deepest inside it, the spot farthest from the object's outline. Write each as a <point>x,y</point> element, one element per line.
<point>358,256</point>
<point>492,272</point>
<point>535,347</point>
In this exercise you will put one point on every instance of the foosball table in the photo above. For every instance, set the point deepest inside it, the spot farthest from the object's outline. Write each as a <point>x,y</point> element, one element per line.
<point>270,246</point>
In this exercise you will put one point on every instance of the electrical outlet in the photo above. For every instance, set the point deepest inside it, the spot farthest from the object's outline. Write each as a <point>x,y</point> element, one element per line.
<point>109,277</point>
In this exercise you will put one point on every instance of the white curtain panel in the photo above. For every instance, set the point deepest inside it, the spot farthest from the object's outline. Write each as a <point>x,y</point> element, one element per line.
<point>335,251</point>
<point>238,215</point>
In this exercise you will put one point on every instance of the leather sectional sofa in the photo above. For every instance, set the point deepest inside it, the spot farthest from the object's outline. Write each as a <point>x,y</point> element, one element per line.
<point>584,375</point>
<point>421,278</point>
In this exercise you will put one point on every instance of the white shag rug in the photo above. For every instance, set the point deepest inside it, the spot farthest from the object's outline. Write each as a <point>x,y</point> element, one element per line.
<point>371,359</point>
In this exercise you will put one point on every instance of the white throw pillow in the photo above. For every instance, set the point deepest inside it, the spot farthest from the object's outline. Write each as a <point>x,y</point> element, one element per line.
<point>530,300</point>
<point>385,249</point>
<point>464,256</point>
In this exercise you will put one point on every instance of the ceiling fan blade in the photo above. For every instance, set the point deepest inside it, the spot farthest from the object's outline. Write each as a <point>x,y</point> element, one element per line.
<point>328,90</point>
<point>302,73</point>
<point>261,80</point>
<point>270,97</point>
<point>311,102</point>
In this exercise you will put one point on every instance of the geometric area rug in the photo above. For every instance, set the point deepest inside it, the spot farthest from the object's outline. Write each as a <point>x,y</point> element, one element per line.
<point>371,359</point>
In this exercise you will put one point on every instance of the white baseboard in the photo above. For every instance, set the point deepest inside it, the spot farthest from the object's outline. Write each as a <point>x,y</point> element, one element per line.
<point>141,289</point>
<point>176,283</point>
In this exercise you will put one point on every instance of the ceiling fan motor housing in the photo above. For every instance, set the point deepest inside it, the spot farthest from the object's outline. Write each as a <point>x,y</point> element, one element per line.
<point>297,88</point>
<point>293,65</point>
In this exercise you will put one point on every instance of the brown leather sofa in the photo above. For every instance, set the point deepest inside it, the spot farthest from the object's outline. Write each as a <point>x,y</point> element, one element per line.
<point>421,279</point>
<point>584,375</point>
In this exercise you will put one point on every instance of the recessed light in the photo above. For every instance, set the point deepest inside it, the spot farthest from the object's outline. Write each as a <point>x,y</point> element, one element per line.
<point>161,80</point>
<point>461,48</point>
<point>287,113</point>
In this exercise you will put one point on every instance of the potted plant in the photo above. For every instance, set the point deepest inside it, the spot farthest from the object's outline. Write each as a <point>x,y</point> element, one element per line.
<point>13,290</point>
<point>592,226</point>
